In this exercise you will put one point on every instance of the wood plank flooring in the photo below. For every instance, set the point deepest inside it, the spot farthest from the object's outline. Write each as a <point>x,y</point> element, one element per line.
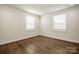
<point>40,45</point>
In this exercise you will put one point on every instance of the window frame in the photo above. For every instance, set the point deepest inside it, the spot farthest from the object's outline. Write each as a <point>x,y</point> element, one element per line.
<point>30,29</point>
<point>65,23</point>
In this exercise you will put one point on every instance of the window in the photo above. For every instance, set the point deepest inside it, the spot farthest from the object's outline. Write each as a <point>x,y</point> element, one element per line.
<point>59,22</point>
<point>30,22</point>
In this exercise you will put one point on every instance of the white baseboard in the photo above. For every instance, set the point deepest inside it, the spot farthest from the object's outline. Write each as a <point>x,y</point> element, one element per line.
<point>74,41</point>
<point>10,41</point>
<point>6,42</point>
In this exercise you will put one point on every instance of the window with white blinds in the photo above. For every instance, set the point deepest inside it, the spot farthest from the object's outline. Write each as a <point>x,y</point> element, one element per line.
<point>59,22</point>
<point>30,22</point>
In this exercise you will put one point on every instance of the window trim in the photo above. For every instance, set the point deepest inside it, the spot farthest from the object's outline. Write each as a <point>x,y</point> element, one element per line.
<point>61,30</point>
<point>34,23</point>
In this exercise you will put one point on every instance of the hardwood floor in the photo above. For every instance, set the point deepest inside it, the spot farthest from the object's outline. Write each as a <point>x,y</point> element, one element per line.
<point>39,45</point>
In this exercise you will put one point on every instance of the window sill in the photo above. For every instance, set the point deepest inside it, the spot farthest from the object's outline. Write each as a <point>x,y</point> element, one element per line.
<point>30,30</point>
<point>58,30</point>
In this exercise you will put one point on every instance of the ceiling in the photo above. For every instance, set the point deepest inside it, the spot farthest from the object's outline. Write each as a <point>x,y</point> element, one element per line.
<point>40,9</point>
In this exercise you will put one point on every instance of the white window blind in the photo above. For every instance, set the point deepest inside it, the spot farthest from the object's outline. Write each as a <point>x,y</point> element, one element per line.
<point>30,22</point>
<point>59,22</point>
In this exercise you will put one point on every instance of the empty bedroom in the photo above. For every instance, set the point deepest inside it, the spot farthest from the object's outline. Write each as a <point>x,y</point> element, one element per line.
<point>39,29</point>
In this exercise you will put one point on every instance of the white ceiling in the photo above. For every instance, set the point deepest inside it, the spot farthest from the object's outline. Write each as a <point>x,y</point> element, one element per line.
<point>40,9</point>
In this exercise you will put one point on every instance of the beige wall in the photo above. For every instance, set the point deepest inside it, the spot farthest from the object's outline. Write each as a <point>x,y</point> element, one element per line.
<point>12,25</point>
<point>72,32</point>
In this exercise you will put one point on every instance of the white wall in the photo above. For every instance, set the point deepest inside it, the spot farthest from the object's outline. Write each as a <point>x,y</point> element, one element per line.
<point>12,25</point>
<point>72,32</point>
